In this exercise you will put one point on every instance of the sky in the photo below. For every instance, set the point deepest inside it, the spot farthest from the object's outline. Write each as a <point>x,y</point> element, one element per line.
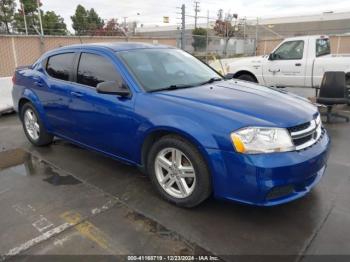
<point>151,12</point>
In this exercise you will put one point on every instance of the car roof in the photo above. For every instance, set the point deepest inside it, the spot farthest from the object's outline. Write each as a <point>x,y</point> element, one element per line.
<point>117,46</point>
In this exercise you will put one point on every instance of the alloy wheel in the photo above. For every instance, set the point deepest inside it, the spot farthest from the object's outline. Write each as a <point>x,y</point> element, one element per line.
<point>31,124</point>
<point>175,173</point>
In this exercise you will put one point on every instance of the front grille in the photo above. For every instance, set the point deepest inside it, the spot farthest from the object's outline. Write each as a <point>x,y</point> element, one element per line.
<point>306,134</point>
<point>303,140</point>
<point>299,127</point>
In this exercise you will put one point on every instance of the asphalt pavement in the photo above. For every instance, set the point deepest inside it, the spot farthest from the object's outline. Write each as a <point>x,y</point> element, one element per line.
<point>63,200</point>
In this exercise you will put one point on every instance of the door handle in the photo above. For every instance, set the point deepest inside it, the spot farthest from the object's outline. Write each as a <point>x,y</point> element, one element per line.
<point>297,64</point>
<point>77,94</point>
<point>274,71</point>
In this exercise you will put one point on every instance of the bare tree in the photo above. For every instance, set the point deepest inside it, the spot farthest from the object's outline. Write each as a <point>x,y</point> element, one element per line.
<point>227,27</point>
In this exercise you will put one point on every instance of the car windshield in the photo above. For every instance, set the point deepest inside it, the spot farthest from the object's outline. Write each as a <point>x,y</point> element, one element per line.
<point>161,69</point>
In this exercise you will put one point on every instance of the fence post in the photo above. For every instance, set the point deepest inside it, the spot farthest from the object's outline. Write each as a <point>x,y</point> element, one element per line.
<point>207,40</point>
<point>14,52</point>
<point>42,44</point>
<point>338,44</point>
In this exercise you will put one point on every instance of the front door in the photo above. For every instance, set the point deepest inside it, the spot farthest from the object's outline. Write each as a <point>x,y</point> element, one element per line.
<point>103,121</point>
<point>287,66</point>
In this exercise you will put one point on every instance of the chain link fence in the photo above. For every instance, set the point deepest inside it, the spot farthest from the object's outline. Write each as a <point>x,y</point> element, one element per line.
<point>24,50</point>
<point>207,47</point>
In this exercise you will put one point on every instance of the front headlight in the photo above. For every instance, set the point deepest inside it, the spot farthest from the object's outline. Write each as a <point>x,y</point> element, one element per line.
<point>256,140</point>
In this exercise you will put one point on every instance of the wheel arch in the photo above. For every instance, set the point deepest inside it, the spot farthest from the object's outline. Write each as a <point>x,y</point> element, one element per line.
<point>30,97</point>
<point>245,72</point>
<point>155,134</point>
<point>21,103</point>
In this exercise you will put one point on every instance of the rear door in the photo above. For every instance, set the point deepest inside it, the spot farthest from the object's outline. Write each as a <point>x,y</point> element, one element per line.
<point>55,92</point>
<point>288,66</point>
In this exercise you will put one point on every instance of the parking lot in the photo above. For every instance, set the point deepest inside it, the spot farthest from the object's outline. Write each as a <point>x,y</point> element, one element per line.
<point>66,200</point>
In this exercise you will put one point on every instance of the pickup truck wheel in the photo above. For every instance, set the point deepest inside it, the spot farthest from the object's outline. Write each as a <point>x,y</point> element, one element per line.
<point>179,172</point>
<point>247,77</point>
<point>33,126</point>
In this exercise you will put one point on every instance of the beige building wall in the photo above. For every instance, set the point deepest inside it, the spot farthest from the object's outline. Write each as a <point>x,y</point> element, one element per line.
<point>24,50</point>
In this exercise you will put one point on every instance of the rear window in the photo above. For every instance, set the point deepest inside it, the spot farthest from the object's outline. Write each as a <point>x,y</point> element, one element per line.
<point>60,66</point>
<point>323,47</point>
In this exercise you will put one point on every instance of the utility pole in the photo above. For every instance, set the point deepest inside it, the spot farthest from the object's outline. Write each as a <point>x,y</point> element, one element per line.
<point>244,32</point>
<point>256,35</point>
<point>183,26</point>
<point>196,11</point>
<point>207,42</point>
<point>40,21</point>
<point>125,17</point>
<point>244,27</point>
<point>24,17</point>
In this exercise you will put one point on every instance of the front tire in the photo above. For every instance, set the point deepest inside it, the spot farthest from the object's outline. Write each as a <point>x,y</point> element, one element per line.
<point>33,127</point>
<point>179,172</point>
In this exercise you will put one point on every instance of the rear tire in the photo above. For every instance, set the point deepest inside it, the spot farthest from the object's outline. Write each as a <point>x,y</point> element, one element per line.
<point>33,127</point>
<point>179,172</point>
<point>248,78</point>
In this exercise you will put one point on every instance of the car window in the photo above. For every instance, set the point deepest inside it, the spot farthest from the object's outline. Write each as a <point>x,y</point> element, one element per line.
<point>156,69</point>
<point>94,69</point>
<point>323,47</point>
<point>291,50</point>
<point>60,66</point>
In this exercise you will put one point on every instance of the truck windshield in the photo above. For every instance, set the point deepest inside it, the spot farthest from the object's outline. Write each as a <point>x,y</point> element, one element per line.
<point>323,47</point>
<point>162,69</point>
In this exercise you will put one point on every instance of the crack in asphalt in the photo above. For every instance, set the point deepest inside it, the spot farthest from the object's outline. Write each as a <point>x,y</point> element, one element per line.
<point>308,244</point>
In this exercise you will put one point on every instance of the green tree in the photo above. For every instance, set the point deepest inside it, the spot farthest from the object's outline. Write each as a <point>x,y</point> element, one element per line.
<point>94,21</point>
<point>199,38</point>
<point>30,9</point>
<point>7,12</point>
<point>86,22</point>
<point>53,24</point>
<point>79,19</point>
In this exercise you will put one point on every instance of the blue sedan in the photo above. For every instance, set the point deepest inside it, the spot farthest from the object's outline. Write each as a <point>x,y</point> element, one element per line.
<point>194,132</point>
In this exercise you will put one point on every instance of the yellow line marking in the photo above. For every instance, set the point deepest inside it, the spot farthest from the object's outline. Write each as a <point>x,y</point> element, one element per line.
<point>86,229</point>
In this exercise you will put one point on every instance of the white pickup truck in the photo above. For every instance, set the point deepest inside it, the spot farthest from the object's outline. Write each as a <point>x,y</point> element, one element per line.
<point>298,61</point>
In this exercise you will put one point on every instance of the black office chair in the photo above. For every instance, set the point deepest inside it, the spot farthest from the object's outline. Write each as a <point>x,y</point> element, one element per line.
<point>333,91</point>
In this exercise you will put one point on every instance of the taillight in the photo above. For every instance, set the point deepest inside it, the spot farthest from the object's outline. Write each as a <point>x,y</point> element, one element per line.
<point>14,78</point>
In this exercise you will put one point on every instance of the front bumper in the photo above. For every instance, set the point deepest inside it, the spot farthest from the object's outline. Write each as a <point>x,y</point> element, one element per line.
<point>268,179</point>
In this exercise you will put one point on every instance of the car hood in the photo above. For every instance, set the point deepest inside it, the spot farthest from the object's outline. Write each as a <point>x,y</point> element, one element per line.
<point>236,99</point>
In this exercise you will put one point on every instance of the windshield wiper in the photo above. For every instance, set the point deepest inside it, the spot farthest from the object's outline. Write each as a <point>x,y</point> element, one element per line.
<point>181,86</point>
<point>211,80</point>
<point>171,87</point>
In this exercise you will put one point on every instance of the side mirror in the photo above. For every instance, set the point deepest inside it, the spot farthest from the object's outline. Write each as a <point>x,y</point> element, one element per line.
<point>272,57</point>
<point>113,88</point>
